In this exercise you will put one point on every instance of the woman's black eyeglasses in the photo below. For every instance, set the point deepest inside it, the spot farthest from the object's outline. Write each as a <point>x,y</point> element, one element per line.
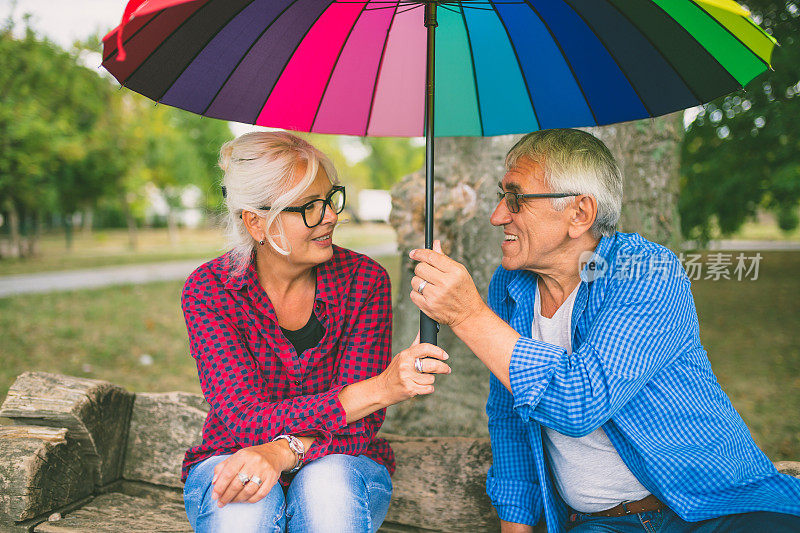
<point>513,198</point>
<point>314,211</point>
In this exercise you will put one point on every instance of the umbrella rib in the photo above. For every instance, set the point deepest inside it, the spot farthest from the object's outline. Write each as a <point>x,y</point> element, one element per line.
<point>415,6</point>
<point>131,36</point>
<point>201,48</point>
<point>699,44</point>
<point>701,8</point>
<point>519,64</point>
<point>380,66</point>
<point>657,49</point>
<point>566,60</point>
<point>289,59</point>
<point>611,55</point>
<point>474,73</point>
<point>244,55</point>
<point>150,55</point>
<point>335,63</point>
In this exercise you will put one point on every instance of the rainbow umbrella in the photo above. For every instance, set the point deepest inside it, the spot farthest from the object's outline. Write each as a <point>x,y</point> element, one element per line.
<point>368,67</point>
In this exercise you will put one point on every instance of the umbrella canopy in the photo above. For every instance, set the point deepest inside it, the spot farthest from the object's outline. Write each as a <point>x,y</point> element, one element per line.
<point>506,66</point>
<point>367,67</point>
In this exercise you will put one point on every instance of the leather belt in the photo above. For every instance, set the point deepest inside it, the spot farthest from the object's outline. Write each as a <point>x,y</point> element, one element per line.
<point>645,505</point>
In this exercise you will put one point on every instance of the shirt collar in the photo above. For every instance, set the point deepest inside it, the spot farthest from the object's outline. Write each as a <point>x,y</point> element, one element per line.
<point>326,279</point>
<point>523,281</point>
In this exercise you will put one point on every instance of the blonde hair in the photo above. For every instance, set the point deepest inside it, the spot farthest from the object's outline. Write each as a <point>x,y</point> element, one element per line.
<point>258,168</point>
<point>576,162</point>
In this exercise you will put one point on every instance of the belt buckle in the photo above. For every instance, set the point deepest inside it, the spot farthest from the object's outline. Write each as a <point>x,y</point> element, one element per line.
<point>625,507</point>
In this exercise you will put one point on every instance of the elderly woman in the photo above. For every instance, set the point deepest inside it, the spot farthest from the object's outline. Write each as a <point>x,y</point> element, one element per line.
<point>292,337</point>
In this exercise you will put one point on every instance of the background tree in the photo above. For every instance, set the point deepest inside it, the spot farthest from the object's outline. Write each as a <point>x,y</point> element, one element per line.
<point>740,154</point>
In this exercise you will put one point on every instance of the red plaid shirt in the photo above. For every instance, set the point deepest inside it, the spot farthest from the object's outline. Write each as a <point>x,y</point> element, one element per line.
<point>252,377</point>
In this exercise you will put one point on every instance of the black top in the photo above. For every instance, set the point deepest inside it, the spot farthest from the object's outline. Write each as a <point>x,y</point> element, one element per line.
<point>306,337</point>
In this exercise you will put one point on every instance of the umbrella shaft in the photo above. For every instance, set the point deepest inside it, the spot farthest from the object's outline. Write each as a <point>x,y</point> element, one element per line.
<point>427,327</point>
<point>430,24</point>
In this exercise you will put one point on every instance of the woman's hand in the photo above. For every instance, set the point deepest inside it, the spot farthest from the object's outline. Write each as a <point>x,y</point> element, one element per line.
<point>401,381</point>
<point>266,461</point>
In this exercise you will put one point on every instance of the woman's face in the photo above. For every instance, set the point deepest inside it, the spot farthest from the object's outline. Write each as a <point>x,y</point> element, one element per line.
<point>308,246</point>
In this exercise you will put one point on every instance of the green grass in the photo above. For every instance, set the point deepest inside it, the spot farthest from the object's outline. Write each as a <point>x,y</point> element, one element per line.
<point>750,330</point>
<point>103,334</point>
<point>110,247</point>
<point>748,327</point>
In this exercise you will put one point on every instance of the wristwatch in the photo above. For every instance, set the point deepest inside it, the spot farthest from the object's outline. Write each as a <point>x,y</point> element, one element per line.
<point>297,447</point>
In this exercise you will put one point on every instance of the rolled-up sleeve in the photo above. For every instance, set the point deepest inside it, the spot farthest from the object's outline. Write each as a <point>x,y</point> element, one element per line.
<point>642,326</point>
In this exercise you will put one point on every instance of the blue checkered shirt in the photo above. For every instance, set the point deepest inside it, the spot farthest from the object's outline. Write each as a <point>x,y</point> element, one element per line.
<point>637,370</point>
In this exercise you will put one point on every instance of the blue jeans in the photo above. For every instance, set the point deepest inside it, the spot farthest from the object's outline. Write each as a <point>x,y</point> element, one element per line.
<point>666,521</point>
<point>336,493</point>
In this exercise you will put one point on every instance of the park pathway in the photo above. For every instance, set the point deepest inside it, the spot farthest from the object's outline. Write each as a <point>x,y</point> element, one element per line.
<point>91,278</point>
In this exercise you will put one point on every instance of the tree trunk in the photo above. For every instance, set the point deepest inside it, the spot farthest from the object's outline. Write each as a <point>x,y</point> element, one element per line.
<point>87,221</point>
<point>15,250</point>
<point>130,221</point>
<point>68,231</point>
<point>467,172</point>
<point>36,234</point>
<point>648,153</point>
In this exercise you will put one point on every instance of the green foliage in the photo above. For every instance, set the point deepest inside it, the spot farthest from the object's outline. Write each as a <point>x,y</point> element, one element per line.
<point>390,159</point>
<point>70,140</point>
<point>740,154</point>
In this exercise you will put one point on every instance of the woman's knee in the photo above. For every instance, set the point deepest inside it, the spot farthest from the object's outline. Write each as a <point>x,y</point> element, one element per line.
<point>266,515</point>
<point>339,493</point>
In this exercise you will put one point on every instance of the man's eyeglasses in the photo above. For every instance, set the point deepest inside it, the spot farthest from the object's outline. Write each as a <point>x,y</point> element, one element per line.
<point>513,198</point>
<point>314,211</point>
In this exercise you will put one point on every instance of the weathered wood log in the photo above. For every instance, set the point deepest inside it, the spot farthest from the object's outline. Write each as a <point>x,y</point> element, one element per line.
<point>40,470</point>
<point>119,513</point>
<point>163,426</point>
<point>791,468</point>
<point>439,484</point>
<point>95,412</point>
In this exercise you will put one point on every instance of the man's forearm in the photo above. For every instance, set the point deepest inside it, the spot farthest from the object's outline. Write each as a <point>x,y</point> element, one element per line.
<point>512,527</point>
<point>491,339</point>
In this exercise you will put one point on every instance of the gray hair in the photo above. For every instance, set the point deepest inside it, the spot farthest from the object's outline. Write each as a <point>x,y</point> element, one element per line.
<point>576,162</point>
<point>258,169</point>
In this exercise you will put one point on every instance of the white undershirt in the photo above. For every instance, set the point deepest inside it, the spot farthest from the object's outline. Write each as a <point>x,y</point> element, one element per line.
<point>588,471</point>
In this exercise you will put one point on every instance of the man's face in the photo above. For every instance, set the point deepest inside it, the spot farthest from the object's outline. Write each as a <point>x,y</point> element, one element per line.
<point>537,231</point>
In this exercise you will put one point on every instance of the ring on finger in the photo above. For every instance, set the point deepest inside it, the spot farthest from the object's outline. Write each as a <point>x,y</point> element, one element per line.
<point>243,478</point>
<point>256,480</point>
<point>418,365</point>
<point>422,286</point>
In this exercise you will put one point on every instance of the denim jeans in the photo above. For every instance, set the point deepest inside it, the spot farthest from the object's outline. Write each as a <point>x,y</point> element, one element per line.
<point>666,521</point>
<point>336,493</point>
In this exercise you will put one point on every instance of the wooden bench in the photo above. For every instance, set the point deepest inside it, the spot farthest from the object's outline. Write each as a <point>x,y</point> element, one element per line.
<point>86,455</point>
<point>82,455</point>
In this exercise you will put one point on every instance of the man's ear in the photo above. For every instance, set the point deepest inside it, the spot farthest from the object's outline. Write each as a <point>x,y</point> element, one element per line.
<point>583,214</point>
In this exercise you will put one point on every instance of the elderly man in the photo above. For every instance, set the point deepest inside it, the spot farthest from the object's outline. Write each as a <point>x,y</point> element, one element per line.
<point>604,414</point>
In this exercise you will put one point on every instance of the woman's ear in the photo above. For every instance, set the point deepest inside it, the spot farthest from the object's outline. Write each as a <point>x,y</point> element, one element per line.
<point>584,213</point>
<point>254,225</point>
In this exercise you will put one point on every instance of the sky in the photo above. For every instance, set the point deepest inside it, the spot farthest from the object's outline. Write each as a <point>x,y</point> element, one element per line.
<point>64,21</point>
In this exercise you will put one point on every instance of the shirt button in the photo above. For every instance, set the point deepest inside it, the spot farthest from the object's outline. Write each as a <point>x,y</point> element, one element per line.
<point>297,382</point>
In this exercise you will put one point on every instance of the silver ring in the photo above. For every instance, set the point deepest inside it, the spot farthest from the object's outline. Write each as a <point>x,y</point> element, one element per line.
<point>256,480</point>
<point>243,478</point>
<point>418,365</point>
<point>422,286</point>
